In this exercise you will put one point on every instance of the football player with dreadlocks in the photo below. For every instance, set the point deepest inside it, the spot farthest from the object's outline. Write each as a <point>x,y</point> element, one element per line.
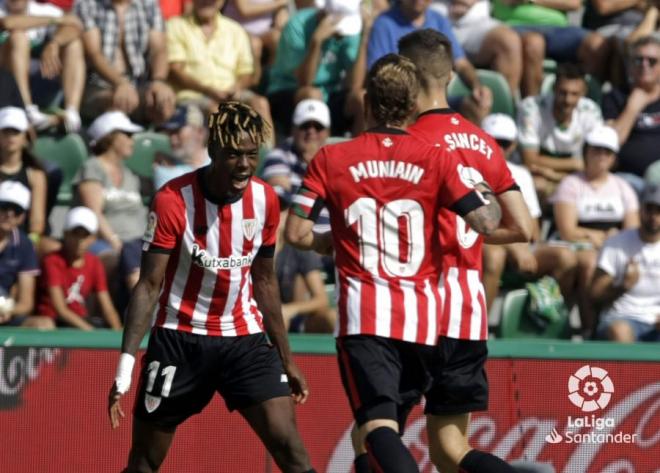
<point>207,273</point>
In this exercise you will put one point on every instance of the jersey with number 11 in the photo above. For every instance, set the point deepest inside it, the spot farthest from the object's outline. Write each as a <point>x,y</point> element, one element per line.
<point>384,190</point>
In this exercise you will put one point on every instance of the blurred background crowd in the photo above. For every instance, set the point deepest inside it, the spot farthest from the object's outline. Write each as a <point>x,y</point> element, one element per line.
<point>104,101</point>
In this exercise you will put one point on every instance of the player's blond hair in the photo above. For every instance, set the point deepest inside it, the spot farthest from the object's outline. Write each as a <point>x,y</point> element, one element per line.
<point>234,120</point>
<point>392,88</point>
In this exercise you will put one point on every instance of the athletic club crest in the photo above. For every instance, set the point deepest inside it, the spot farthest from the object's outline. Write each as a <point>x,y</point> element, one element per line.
<point>249,228</point>
<point>151,403</point>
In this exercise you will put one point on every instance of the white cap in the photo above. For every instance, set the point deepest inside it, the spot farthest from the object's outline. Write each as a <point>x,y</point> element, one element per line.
<point>500,126</point>
<point>311,110</point>
<point>81,217</point>
<point>603,136</point>
<point>109,122</point>
<point>16,193</point>
<point>13,117</point>
<point>348,12</point>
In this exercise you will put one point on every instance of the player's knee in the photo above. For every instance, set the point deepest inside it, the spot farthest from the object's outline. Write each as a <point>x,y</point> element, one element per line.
<point>447,456</point>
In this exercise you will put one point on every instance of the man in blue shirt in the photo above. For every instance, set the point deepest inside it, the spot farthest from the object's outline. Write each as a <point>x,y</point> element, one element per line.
<point>410,15</point>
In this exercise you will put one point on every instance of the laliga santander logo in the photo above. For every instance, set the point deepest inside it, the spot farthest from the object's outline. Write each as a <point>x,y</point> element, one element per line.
<point>590,388</point>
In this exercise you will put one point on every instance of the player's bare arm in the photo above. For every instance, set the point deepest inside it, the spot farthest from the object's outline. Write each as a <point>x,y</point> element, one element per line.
<point>267,296</point>
<point>299,232</point>
<point>486,218</point>
<point>517,225</point>
<point>138,321</point>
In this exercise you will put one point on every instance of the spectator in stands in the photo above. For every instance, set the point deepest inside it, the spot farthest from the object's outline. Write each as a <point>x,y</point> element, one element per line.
<point>552,129</point>
<point>210,59</point>
<point>71,275</point>
<point>18,261</point>
<point>188,135</point>
<point>300,277</point>
<point>315,58</point>
<point>125,45</point>
<point>532,260</point>
<point>409,15</point>
<point>487,42</point>
<point>592,205</point>
<point>635,114</point>
<point>626,281</point>
<point>264,21</point>
<point>284,167</point>
<point>615,20</point>
<point>543,26</point>
<point>112,191</point>
<point>42,31</point>
<point>17,163</point>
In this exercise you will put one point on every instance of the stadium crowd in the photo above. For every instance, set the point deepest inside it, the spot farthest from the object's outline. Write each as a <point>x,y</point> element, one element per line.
<point>570,94</point>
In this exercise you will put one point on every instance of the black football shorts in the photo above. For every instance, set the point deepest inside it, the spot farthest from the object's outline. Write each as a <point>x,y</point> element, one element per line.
<point>459,377</point>
<point>181,371</point>
<point>383,378</point>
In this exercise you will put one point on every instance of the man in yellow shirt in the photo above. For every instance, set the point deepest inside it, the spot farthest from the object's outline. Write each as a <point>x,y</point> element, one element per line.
<point>210,59</point>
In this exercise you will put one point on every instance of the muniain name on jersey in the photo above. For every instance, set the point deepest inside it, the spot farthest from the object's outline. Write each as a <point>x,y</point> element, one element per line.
<point>393,169</point>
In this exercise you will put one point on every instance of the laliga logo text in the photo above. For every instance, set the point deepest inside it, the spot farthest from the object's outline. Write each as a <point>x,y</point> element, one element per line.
<point>590,388</point>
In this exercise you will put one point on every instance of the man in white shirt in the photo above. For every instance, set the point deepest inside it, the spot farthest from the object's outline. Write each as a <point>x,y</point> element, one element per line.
<point>532,260</point>
<point>626,282</point>
<point>552,128</point>
<point>43,32</point>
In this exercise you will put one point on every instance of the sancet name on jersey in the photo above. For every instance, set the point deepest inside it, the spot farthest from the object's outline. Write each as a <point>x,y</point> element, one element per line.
<point>392,169</point>
<point>468,141</point>
<point>201,258</point>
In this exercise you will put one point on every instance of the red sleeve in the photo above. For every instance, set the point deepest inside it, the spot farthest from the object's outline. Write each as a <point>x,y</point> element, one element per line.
<point>51,271</point>
<point>272,218</point>
<point>98,272</point>
<point>166,221</point>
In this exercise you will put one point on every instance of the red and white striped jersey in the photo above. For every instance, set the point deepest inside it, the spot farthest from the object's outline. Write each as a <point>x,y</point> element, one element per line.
<point>464,315</point>
<point>384,190</point>
<point>207,287</point>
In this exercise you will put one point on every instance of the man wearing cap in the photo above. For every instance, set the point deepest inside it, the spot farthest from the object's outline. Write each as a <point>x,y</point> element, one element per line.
<point>314,59</point>
<point>532,260</point>
<point>72,274</point>
<point>625,285</point>
<point>18,261</point>
<point>210,59</point>
<point>187,135</point>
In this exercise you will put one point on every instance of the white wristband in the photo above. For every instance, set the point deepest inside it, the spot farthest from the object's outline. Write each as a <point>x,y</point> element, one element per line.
<point>124,372</point>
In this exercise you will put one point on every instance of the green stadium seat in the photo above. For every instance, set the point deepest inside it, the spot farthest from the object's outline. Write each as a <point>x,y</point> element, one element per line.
<point>515,323</point>
<point>147,144</point>
<point>69,153</point>
<point>502,98</point>
<point>594,87</point>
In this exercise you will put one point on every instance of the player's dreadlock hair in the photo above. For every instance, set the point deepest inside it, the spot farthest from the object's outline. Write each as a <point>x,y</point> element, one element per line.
<point>392,88</point>
<point>233,120</point>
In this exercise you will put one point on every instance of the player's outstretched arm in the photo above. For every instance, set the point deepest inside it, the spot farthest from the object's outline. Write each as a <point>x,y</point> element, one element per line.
<point>138,320</point>
<point>267,295</point>
<point>486,218</point>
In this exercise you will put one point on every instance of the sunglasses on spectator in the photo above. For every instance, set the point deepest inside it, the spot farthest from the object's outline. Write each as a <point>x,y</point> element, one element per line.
<point>307,125</point>
<point>504,144</point>
<point>650,60</point>
<point>11,207</point>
